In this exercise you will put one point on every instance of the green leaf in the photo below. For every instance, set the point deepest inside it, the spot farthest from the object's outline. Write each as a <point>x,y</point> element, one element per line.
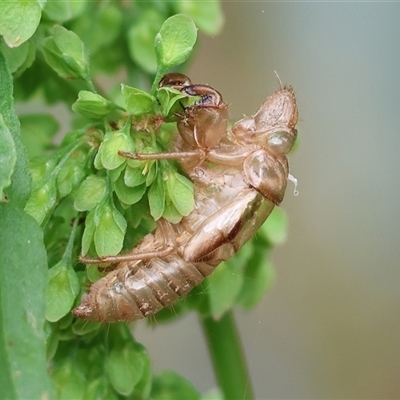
<point>8,156</point>
<point>141,39</point>
<point>23,279</point>
<point>169,98</point>
<point>67,55</point>
<point>20,187</point>
<point>134,176</point>
<point>171,214</point>
<point>42,200</point>
<point>61,11</point>
<point>181,192</point>
<point>88,233</point>
<point>62,290</point>
<point>16,56</point>
<point>92,271</point>
<point>110,231</point>
<point>112,143</point>
<point>92,105</point>
<point>125,368</point>
<point>170,385</point>
<point>90,193</point>
<point>137,101</point>
<point>223,286</point>
<point>275,227</point>
<point>156,197</point>
<point>129,195</point>
<point>175,41</point>
<point>207,15</point>
<point>151,171</point>
<point>143,387</point>
<point>72,173</point>
<point>19,20</point>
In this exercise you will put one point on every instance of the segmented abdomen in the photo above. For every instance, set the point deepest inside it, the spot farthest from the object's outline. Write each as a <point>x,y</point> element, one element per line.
<point>142,288</point>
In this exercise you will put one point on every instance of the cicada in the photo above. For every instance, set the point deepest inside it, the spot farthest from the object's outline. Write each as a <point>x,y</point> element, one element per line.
<point>239,175</point>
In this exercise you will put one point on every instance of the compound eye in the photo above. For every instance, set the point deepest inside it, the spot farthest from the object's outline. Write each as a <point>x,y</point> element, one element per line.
<point>174,79</point>
<point>209,96</point>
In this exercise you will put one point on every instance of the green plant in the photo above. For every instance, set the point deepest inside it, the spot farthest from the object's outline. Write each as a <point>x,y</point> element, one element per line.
<point>48,190</point>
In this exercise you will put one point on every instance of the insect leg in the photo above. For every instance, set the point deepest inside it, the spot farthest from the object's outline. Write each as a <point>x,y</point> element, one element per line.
<point>164,234</point>
<point>164,156</point>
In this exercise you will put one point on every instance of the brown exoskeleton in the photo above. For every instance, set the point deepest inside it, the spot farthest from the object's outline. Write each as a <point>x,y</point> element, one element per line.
<point>239,176</point>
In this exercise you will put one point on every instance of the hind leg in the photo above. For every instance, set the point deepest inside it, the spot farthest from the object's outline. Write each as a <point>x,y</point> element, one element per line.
<point>163,238</point>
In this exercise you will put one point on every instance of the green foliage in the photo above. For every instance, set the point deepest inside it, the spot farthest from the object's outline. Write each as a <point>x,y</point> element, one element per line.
<point>82,197</point>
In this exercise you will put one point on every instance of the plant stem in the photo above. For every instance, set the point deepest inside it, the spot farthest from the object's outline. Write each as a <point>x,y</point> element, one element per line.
<point>227,357</point>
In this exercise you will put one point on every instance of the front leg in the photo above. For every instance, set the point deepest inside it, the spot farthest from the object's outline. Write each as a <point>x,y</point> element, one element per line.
<point>163,238</point>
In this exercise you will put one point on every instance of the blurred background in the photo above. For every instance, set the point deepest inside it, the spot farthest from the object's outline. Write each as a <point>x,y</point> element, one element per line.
<point>329,327</point>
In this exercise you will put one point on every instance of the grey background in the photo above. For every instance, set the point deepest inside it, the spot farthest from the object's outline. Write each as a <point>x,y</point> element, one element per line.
<point>329,327</point>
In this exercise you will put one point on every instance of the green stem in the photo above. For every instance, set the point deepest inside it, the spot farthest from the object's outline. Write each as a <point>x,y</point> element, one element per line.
<point>160,73</point>
<point>227,357</point>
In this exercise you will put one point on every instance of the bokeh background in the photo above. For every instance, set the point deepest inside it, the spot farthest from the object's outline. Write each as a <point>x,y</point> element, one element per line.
<point>329,327</point>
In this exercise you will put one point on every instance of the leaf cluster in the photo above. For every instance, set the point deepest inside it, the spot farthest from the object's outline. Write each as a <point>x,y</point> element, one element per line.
<point>82,197</point>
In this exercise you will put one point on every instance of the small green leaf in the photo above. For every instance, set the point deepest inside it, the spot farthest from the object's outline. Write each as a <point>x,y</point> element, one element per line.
<point>61,11</point>
<point>181,192</point>
<point>170,385</point>
<point>175,40</point>
<point>16,56</point>
<point>88,233</point>
<point>110,232</point>
<point>114,174</point>
<point>125,368</point>
<point>171,214</point>
<point>19,20</point>
<point>156,197</point>
<point>62,290</point>
<point>97,389</point>
<point>66,54</point>
<point>143,387</point>
<point>112,143</point>
<point>137,101</point>
<point>207,15</point>
<point>134,176</point>
<point>71,174</point>
<point>129,195</point>
<point>151,170</point>
<point>8,156</point>
<point>223,286</point>
<point>169,99</point>
<point>141,39</point>
<point>92,105</point>
<point>42,199</point>
<point>90,193</point>
<point>92,272</point>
